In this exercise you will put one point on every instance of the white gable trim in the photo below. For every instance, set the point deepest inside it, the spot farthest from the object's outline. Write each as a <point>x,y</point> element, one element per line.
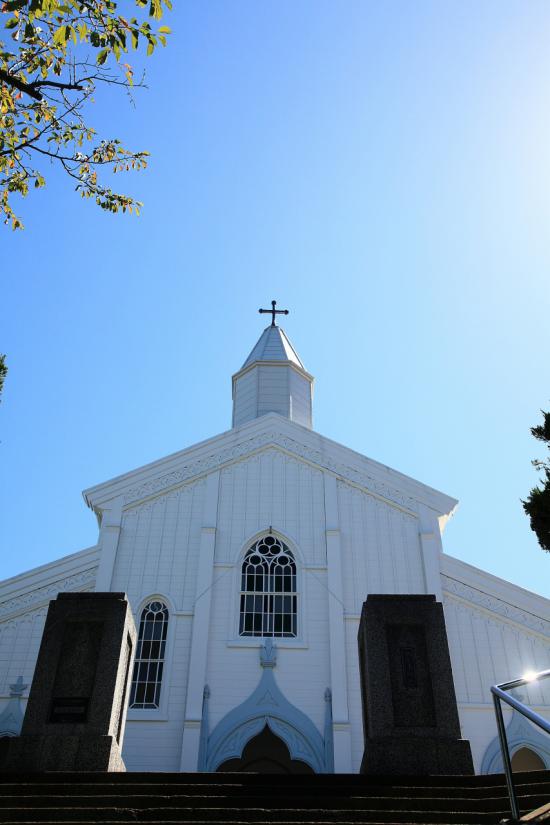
<point>270,430</point>
<point>476,585</point>
<point>493,608</point>
<point>30,590</point>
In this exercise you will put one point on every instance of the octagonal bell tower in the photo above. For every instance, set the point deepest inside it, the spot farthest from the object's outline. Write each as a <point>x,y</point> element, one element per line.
<point>273,379</point>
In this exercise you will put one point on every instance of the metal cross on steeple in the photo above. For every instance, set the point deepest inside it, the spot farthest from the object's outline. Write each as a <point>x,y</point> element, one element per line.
<point>274,312</point>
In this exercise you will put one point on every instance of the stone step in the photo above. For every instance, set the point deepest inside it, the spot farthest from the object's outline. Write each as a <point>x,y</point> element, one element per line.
<point>230,792</point>
<point>58,783</point>
<point>238,792</point>
<point>248,816</point>
<point>177,801</point>
<point>251,799</point>
<point>250,779</point>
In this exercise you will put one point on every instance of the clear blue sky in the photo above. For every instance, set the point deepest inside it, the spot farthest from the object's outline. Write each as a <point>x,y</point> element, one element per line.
<point>383,170</point>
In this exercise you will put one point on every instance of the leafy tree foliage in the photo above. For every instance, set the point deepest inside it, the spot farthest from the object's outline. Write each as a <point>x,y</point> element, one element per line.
<point>54,55</point>
<point>3,372</point>
<point>537,505</point>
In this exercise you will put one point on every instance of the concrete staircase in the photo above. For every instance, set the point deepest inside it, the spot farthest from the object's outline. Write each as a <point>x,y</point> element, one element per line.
<point>262,798</point>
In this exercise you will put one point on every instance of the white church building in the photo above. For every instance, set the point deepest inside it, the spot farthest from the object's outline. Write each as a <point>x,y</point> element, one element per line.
<point>246,559</point>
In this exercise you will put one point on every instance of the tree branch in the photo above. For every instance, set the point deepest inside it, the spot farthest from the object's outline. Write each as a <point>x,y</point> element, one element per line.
<point>19,84</point>
<point>33,89</point>
<point>38,84</point>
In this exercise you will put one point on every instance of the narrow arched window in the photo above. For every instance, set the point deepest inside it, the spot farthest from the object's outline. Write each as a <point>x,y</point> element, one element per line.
<point>268,590</point>
<point>149,661</point>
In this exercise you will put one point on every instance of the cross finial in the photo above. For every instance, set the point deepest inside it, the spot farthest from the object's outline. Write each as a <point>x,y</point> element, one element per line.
<point>274,312</point>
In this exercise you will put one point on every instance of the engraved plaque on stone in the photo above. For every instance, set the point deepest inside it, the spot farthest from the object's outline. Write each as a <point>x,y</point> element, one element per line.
<point>76,671</point>
<point>410,676</point>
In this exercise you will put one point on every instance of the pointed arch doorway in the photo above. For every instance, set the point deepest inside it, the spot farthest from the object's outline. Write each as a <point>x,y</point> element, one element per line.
<point>265,753</point>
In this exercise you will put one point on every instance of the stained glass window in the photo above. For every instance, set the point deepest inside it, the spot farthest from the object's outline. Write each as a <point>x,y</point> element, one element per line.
<point>150,653</point>
<point>268,599</point>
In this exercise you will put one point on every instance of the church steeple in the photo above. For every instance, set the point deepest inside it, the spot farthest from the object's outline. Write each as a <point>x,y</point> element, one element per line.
<point>273,379</point>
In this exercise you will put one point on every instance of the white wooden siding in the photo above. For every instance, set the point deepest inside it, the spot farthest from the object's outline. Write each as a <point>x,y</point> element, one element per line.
<point>486,649</point>
<point>300,399</point>
<point>274,489</point>
<point>380,548</point>
<point>158,547</point>
<point>245,401</point>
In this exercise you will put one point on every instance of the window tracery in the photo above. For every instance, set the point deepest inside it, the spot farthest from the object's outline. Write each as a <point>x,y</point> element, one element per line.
<point>150,653</point>
<point>268,598</point>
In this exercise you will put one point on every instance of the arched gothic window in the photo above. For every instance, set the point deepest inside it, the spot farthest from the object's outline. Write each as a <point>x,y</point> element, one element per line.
<point>149,661</point>
<point>268,590</point>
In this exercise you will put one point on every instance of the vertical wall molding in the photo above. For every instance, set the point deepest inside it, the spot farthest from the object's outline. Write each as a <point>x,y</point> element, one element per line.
<point>329,734</point>
<point>205,724</point>
<point>201,625</point>
<point>337,638</point>
<point>108,542</point>
<point>431,548</point>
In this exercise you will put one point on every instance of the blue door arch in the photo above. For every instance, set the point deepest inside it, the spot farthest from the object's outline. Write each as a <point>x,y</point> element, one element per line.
<point>267,705</point>
<point>520,733</point>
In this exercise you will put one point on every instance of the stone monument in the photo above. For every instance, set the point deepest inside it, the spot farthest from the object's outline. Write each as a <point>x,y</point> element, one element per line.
<point>76,712</point>
<point>410,715</point>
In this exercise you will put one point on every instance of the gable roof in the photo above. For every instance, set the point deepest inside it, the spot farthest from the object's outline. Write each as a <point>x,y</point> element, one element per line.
<point>271,430</point>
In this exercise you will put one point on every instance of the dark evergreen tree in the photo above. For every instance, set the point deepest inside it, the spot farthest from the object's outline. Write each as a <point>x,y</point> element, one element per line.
<point>537,505</point>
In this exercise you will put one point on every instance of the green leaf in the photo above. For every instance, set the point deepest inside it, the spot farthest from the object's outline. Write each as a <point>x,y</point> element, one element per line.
<point>155,9</point>
<point>102,57</point>
<point>165,30</point>
<point>60,37</point>
<point>12,23</point>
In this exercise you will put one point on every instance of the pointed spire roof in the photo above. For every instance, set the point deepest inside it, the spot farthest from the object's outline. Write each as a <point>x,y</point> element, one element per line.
<point>273,345</point>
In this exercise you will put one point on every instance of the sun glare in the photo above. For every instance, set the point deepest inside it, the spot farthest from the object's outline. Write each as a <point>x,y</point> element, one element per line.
<point>530,675</point>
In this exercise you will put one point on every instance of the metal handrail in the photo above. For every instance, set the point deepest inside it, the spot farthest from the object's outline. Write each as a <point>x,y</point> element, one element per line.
<point>499,694</point>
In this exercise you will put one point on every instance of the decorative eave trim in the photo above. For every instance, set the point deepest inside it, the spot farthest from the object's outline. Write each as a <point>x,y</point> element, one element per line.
<point>42,595</point>
<point>291,447</point>
<point>486,582</point>
<point>278,431</point>
<point>490,603</point>
<point>46,573</point>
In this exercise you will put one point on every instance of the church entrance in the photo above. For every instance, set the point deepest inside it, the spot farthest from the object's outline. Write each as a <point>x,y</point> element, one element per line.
<point>527,760</point>
<point>265,753</point>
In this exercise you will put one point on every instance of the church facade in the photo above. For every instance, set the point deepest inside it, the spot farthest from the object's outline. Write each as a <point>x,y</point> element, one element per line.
<point>246,559</point>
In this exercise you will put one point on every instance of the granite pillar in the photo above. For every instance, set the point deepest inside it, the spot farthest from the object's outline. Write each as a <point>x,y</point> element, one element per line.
<point>76,712</point>
<point>410,715</point>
